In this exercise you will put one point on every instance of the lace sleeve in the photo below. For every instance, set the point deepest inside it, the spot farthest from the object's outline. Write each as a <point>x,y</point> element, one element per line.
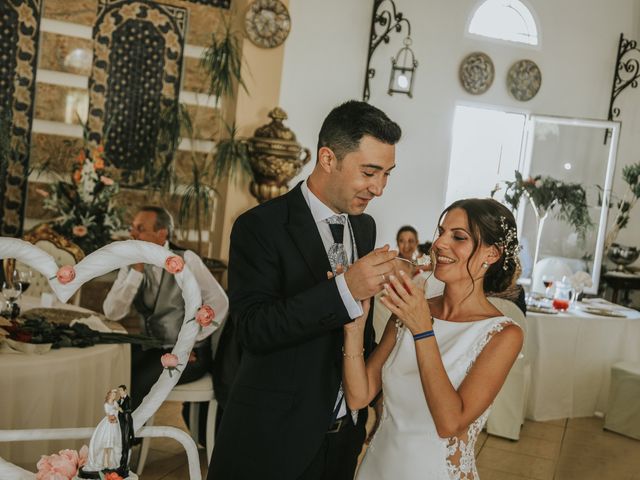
<point>476,350</point>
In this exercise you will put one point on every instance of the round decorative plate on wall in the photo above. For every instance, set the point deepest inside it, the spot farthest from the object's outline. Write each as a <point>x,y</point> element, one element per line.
<point>476,73</point>
<point>267,23</point>
<point>524,80</point>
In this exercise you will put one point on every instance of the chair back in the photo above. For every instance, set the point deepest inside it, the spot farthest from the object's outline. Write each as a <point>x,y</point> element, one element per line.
<point>63,251</point>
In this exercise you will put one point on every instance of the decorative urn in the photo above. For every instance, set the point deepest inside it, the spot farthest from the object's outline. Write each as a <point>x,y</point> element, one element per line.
<point>275,157</point>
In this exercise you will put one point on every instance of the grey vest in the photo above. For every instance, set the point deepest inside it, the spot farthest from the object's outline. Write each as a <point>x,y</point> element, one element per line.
<point>163,319</point>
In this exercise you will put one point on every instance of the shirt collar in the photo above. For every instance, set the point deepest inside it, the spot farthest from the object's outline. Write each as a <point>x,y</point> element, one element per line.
<point>319,210</point>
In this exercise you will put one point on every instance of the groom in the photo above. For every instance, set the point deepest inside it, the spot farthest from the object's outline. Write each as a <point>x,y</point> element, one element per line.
<point>126,429</point>
<point>285,417</point>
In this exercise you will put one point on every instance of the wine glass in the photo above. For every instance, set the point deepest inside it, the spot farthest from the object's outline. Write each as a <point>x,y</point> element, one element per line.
<point>11,292</point>
<point>24,278</point>
<point>547,281</point>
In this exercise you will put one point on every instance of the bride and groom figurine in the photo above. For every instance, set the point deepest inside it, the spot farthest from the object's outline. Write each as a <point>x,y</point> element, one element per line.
<point>113,437</point>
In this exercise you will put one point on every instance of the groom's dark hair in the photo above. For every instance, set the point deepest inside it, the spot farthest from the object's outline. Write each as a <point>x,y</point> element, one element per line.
<point>124,387</point>
<point>346,124</point>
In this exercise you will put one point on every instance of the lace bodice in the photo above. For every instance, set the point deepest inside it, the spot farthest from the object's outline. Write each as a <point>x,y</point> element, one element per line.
<point>407,444</point>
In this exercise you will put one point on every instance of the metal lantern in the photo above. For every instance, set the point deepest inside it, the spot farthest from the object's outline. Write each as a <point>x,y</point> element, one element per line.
<point>403,68</point>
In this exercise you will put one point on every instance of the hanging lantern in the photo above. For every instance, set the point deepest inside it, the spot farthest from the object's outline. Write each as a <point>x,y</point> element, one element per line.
<point>403,68</point>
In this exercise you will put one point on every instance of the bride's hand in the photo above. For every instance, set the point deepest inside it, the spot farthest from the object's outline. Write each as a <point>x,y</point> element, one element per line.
<point>406,300</point>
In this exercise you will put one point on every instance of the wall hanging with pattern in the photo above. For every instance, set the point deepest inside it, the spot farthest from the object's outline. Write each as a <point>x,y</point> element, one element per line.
<point>19,32</point>
<point>137,66</point>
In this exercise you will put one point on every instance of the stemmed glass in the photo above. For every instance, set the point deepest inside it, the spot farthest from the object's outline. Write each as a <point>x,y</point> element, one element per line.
<point>24,278</point>
<point>11,291</point>
<point>547,281</point>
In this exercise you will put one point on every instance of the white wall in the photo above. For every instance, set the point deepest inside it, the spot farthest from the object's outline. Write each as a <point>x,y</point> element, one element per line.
<point>325,59</point>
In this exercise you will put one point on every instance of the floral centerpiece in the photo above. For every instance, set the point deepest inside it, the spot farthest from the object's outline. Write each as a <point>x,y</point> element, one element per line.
<point>546,194</point>
<point>84,207</point>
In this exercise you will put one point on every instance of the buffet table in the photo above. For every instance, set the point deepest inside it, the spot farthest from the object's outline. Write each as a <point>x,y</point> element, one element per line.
<point>61,388</point>
<point>571,355</point>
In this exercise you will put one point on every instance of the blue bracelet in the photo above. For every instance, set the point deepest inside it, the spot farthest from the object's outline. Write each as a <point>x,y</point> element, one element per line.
<point>420,336</point>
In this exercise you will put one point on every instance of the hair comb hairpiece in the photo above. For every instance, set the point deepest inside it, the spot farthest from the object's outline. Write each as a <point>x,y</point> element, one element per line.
<point>509,243</point>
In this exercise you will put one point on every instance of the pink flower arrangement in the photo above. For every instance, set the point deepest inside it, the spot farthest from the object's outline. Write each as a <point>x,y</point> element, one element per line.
<point>61,466</point>
<point>79,230</point>
<point>112,476</point>
<point>170,362</point>
<point>66,274</point>
<point>205,315</point>
<point>174,264</point>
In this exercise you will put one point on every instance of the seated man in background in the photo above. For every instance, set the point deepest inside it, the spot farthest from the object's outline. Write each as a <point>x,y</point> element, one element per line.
<point>157,298</point>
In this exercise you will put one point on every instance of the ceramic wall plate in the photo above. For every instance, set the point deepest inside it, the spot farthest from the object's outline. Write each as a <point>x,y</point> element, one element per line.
<point>267,23</point>
<point>476,73</point>
<point>524,80</point>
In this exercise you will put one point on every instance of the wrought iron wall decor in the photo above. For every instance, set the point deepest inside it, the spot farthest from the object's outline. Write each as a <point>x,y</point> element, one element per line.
<point>385,20</point>
<point>137,67</point>
<point>625,74</point>
<point>20,20</point>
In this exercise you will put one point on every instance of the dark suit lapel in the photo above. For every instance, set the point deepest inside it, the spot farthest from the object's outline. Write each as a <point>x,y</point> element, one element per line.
<point>304,232</point>
<point>362,235</point>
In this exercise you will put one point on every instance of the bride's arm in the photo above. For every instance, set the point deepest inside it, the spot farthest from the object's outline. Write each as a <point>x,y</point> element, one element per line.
<point>361,381</point>
<point>454,410</point>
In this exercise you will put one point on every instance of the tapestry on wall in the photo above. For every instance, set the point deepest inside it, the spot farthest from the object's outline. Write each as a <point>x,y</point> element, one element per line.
<point>135,80</point>
<point>213,3</point>
<point>19,32</point>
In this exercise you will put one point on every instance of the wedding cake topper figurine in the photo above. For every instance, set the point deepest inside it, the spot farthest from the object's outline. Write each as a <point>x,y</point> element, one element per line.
<point>112,439</point>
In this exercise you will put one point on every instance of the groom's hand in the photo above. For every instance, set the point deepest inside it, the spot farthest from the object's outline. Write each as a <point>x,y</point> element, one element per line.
<point>368,274</point>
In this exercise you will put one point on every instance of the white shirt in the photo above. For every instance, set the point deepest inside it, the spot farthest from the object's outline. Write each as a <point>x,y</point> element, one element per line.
<point>124,290</point>
<point>320,213</point>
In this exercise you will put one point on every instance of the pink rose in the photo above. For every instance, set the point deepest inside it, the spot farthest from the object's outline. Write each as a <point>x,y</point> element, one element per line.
<point>174,264</point>
<point>205,315</point>
<point>169,360</point>
<point>42,193</point>
<point>66,274</point>
<point>56,467</point>
<point>70,455</point>
<point>79,230</point>
<point>107,181</point>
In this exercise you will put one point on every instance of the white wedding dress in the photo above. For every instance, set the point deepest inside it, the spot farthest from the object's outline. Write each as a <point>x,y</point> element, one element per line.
<point>105,436</point>
<point>406,445</point>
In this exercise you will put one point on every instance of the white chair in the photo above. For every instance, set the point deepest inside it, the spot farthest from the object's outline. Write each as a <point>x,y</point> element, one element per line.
<point>63,251</point>
<point>623,407</point>
<point>548,266</point>
<point>507,413</point>
<point>195,392</point>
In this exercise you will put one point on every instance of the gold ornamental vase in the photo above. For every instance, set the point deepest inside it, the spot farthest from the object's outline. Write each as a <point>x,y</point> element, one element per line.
<point>275,157</point>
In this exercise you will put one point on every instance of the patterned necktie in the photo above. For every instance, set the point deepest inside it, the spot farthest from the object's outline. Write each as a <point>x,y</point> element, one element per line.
<point>337,253</point>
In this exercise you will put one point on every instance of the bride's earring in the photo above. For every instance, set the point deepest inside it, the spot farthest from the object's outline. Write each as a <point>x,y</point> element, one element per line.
<point>485,265</point>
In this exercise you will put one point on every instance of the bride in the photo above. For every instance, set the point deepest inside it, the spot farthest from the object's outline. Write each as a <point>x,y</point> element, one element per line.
<point>105,447</point>
<point>445,361</point>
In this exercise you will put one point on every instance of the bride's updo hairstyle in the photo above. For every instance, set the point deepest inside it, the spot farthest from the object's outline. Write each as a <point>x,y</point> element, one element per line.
<point>491,223</point>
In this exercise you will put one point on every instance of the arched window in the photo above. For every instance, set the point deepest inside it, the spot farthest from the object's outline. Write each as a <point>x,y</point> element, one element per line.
<point>505,20</point>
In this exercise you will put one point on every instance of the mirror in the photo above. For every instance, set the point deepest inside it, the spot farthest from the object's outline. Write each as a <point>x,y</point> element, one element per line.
<point>572,151</point>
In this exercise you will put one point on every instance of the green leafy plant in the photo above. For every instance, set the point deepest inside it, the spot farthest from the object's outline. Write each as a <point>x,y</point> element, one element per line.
<point>222,61</point>
<point>631,176</point>
<point>567,200</point>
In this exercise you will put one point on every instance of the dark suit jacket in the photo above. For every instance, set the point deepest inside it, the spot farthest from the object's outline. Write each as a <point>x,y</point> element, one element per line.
<point>288,319</point>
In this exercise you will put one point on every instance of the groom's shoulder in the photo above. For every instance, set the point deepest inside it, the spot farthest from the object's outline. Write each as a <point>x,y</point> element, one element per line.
<point>271,212</point>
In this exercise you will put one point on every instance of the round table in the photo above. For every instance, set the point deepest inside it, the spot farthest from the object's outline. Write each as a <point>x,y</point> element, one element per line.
<point>571,355</point>
<point>61,388</point>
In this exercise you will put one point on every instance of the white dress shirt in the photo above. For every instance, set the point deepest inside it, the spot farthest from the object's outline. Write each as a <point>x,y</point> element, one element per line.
<point>320,213</point>
<point>124,290</point>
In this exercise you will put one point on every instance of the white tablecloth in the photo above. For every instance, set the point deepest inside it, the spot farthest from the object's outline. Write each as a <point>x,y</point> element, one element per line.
<point>571,355</point>
<point>62,388</point>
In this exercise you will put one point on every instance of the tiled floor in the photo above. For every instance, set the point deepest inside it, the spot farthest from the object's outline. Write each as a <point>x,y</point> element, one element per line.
<point>574,449</point>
